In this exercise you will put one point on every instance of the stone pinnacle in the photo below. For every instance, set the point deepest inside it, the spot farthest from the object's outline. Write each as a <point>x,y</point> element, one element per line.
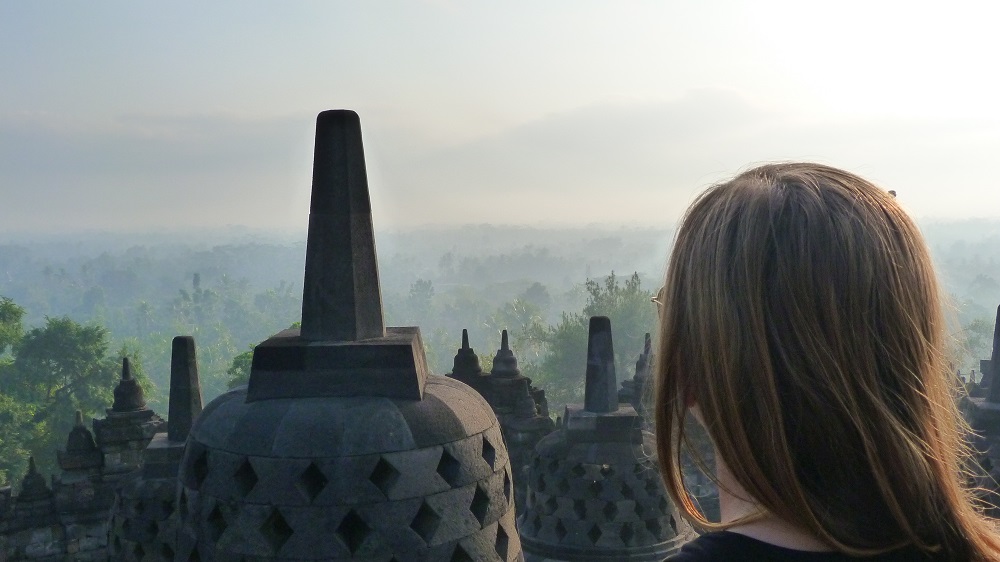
<point>601,390</point>
<point>341,298</point>
<point>185,389</point>
<point>504,362</point>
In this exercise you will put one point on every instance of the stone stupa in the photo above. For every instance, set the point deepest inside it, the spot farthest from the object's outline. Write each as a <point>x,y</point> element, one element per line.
<point>594,491</point>
<point>343,446</point>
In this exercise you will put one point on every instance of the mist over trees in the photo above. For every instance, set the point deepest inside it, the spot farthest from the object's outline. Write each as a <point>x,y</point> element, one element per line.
<point>70,308</point>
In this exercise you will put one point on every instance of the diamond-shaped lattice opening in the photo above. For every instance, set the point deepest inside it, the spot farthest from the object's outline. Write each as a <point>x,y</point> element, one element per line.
<point>117,545</point>
<point>627,492</point>
<point>489,453</point>
<point>276,530</point>
<point>199,469</point>
<point>182,503</point>
<point>654,527</point>
<point>561,531</point>
<point>663,504</point>
<point>167,506</point>
<point>152,529</point>
<point>449,468</point>
<point>537,521</point>
<point>627,534</point>
<point>311,482</point>
<point>480,505</point>
<point>553,466</point>
<point>580,508</point>
<point>384,476</point>
<point>425,522</point>
<point>140,506</point>
<point>596,487</point>
<point>652,487</point>
<point>216,523</point>
<point>563,486</point>
<point>138,551</point>
<point>166,552</point>
<point>673,524</point>
<point>506,486</point>
<point>551,505</point>
<point>540,485</point>
<point>610,510</point>
<point>245,478</point>
<point>353,531</point>
<point>502,542</point>
<point>195,555</point>
<point>460,555</point>
<point>594,534</point>
<point>578,471</point>
<point>640,510</point>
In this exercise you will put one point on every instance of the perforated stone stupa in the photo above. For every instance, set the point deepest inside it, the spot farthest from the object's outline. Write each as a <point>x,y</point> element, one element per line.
<point>521,408</point>
<point>594,491</point>
<point>343,446</point>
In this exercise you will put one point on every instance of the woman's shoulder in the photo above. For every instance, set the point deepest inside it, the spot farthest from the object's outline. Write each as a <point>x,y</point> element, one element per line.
<point>729,546</point>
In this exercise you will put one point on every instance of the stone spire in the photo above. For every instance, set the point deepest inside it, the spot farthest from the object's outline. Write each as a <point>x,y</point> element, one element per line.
<point>601,390</point>
<point>644,363</point>
<point>343,333</point>
<point>185,389</point>
<point>80,440</point>
<point>128,393</point>
<point>33,486</point>
<point>341,299</point>
<point>633,390</point>
<point>993,394</point>
<point>504,362</point>
<point>466,367</point>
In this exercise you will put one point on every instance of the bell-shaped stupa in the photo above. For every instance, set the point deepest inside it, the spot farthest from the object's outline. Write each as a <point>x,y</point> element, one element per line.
<point>343,446</point>
<point>594,491</point>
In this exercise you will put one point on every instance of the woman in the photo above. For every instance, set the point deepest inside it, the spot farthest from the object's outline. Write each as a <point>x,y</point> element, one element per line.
<point>802,327</point>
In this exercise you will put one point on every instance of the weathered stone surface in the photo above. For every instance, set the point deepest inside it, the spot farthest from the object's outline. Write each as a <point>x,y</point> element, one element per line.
<point>416,497</point>
<point>341,298</point>
<point>601,390</point>
<point>290,366</point>
<point>185,388</point>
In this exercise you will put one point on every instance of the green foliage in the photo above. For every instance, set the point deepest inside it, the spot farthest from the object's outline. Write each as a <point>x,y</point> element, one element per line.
<point>55,370</point>
<point>562,372</point>
<point>11,329</point>
<point>239,370</point>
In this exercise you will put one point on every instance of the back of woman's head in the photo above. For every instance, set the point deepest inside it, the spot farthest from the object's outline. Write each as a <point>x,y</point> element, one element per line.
<point>801,314</point>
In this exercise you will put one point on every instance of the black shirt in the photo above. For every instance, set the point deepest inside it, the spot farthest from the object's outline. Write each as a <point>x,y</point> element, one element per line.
<point>728,546</point>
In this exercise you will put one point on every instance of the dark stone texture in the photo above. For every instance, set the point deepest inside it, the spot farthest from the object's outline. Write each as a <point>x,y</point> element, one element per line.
<point>504,362</point>
<point>601,390</point>
<point>33,486</point>
<point>289,366</point>
<point>341,299</point>
<point>128,393</point>
<point>185,388</point>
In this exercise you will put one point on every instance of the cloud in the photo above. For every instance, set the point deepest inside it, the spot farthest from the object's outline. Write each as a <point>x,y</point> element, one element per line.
<point>148,170</point>
<point>621,161</point>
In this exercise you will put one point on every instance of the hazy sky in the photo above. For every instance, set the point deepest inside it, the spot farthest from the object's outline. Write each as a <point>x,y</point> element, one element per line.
<point>136,115</point>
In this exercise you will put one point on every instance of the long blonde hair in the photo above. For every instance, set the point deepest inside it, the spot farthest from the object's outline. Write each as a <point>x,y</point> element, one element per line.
<point>801,313</point>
